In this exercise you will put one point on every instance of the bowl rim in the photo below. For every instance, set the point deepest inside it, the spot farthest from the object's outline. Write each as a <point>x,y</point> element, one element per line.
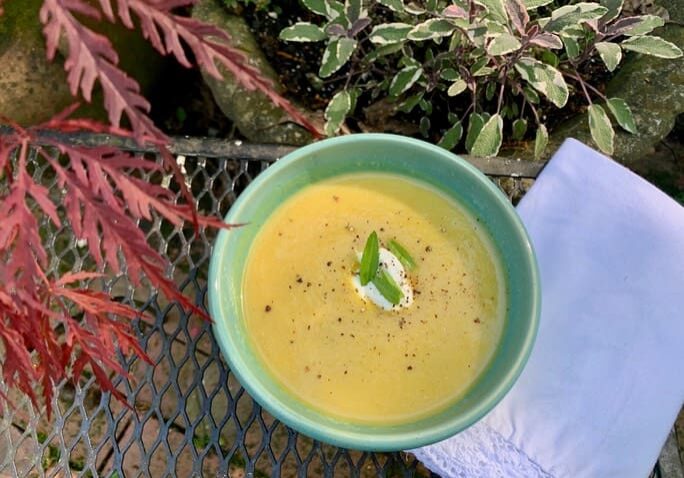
<point>359,440</point>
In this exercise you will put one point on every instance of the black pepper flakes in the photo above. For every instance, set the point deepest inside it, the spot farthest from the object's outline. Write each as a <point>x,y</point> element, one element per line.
<point>410,367</point>
<point>329,263</point>
<point>267,308</point>
<point>428,249</point>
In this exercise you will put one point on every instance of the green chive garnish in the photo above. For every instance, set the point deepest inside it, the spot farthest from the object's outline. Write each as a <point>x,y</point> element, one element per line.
<point>370,259</point>
<point>401,254</point>
<point>387,287</point>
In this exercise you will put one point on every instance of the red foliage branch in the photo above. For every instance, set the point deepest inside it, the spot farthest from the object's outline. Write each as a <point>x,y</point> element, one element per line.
<point>91,56</point>
<point>102,202</point>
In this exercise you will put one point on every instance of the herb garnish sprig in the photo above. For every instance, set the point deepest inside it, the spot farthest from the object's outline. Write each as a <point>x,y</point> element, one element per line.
<point>370,270</point>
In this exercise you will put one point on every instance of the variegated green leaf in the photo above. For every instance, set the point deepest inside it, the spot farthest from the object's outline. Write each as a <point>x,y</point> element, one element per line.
<point>430,29</point>
<point>490,138</point>
<point>475,123</point>
<point>477,35</point>
<point>541,139</point>
<point>490,90</point>
<point>451,137</point>
<point>394,5</point>
<point>572,47</point>
<point>545,79</point>
<point>493,28</point>
<point>303,32</point>
<point>383,50</point>
<point>424,126</point>
<point>455,11</point>
<point>352,10</point>
<point>336,54</point>
<point>654,46</point>
<point>484,71</point>
<point>614,8</point>
<point>411,102</point>
<point>575,31</point>
<point>519,129</point>
<point>328,8</point>
<point>547,40</point>
<point>530,95</point>
<point>457,87</point>
<point>414,9</point>
<point>517,12</point>
<point>610,53</point>
<point>503,44</point>
<point>622,114</point>
<point>496,9</point>
<point>532,4</point>
<point>336,111</point>
<point>403,80</point>
<point>409,61</point>
<point>635,26</point>
<point>647,25</point>
<point>388,33</point>
<point>449,74</point>
<point>601,130</point>
<point>479,64</point>
<point>570,15</point>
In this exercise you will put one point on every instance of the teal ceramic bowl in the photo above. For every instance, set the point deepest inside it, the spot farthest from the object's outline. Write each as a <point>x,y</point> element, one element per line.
<point>383,153</point>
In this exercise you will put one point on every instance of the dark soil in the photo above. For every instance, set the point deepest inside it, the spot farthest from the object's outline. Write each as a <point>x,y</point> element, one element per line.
<point>296,63</point>
<point>184,105</point>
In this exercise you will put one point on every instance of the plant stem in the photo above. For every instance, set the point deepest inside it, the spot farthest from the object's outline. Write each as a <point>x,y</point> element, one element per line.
<point>501,94</point>
<point>584,85</point>
<point>501,89</point>
<point>581,82</point>
<point>534,112</point>
<point>597,91</point>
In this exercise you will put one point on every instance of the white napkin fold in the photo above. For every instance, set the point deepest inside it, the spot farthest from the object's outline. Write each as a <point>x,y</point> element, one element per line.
<point>605,380</point>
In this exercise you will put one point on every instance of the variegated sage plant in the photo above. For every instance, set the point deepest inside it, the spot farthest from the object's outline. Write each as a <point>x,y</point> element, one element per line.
<point>514,58</point>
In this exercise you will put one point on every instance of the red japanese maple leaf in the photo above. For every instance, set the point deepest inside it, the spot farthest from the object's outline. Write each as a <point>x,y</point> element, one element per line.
<point>102,202</point>
<point>92,58</point>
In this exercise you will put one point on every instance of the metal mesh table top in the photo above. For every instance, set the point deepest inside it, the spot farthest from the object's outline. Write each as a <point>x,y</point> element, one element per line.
<point>189,415</point>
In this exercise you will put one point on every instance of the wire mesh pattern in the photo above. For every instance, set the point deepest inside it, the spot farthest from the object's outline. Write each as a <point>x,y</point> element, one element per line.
<point>188,414</point>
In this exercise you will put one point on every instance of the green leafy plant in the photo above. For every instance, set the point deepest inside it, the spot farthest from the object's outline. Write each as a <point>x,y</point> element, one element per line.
<point>497,66</point>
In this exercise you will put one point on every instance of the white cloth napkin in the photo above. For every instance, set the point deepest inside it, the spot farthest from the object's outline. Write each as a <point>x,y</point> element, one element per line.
<point>605,380</point>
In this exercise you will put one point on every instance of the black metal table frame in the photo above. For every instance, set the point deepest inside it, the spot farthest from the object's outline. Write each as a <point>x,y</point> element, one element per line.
<point>190,416</point>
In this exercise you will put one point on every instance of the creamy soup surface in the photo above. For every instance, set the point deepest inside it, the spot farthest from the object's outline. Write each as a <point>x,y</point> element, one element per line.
<point>349,358</point>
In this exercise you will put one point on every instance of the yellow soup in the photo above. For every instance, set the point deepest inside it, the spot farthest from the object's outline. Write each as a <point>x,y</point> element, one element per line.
<point>349,358</point>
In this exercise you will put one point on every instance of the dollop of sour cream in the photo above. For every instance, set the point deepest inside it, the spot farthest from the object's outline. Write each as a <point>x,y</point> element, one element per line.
<point>395,269</point>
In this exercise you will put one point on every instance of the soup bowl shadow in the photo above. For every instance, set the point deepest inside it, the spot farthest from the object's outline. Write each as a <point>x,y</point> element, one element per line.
<point>416,159</point>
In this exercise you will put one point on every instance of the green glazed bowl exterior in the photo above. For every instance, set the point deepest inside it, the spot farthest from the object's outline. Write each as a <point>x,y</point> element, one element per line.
<point>392,154</point>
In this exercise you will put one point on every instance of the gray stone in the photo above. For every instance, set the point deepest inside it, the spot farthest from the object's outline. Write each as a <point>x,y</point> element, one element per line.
<point>252,112</point>
<point>33,89</point>
<point>654,90</point>
<point>670,463</point>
